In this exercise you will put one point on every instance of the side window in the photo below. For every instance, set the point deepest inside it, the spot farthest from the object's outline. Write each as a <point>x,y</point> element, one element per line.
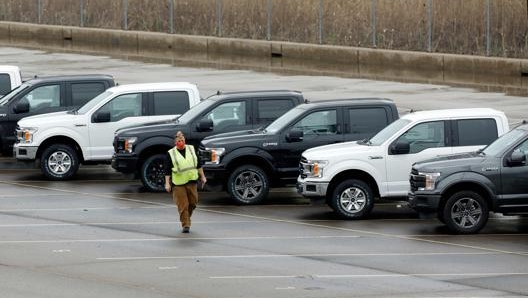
<point>122,106</point>
<point>43,97</point>
<point>5,84</point>
<point>83,92</point>
<point>171,102</point>
<point>271,109</point>
<point>366,122</point>
<point>467,128</point>
<point>425,135</point>
<point>320,122</point>
<point>228,114</point>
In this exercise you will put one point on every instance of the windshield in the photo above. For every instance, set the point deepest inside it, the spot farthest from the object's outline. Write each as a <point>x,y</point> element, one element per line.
<point>89,105</point>
<point>504,141</point>
<point>6,98</point>
<point>195,111</point>
<point>388,132</point>
<point>283,120</point>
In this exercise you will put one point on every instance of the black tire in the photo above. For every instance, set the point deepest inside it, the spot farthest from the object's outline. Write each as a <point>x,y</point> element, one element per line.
<point>152,173</point>
<point>352,199</point>
<point>248,185</point>
<point>59,162</point>
<point>466,212</point>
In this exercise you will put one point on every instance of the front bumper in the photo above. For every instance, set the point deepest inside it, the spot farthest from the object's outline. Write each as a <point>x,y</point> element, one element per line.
<point>309,188</point>
<point>423,202</point>
<point>25,152</point>
<point>216,176</point>
<point>125,164</point>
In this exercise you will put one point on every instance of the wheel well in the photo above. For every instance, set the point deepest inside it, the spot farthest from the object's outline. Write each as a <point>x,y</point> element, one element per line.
<point>248,160</point>
<point>354,174</point>
<point>60,140</point>
<point>148,152</point>
<point>464,186</point>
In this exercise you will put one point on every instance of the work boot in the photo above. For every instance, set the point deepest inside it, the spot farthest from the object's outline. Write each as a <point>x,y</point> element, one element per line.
<point>185,230</point>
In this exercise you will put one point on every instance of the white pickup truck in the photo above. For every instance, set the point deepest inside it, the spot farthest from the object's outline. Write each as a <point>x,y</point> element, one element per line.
<point>10,78</point>
<point>350,175</point>
<point>59,142</point>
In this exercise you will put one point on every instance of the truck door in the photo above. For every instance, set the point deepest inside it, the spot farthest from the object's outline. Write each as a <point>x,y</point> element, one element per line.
<point>514,181</point>
<point>320,127</point>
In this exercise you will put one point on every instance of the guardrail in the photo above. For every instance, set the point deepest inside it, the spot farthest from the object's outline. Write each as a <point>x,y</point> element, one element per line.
<point>496,28</point>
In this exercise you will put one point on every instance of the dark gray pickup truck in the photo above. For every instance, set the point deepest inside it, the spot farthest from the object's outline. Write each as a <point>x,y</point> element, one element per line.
<point>462,189</point>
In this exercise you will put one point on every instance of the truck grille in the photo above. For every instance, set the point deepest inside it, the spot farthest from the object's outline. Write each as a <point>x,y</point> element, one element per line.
<point>416,180</point>
<point>204,154</point>
<point>302,166</point>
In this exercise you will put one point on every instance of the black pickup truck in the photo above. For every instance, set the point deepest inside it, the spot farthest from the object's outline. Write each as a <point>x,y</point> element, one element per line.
<point>248,163</point>
<point>141,150</point>
<point>45,95</point>
<point>462,189</point>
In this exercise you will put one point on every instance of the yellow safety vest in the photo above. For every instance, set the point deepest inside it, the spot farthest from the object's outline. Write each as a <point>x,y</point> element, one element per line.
<point>184,169</point>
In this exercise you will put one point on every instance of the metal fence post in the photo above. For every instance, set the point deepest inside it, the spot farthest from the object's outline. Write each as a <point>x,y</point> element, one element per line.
<point>321,20</point>
<point>268,31</point>
<point>488,28</point>
<point>373,17</point>
<point>171,16</point>
<point>125,14</point>
<point>39,11</point>
<point>218,17</point>
<point>430,25</point>
<point>82,13</point>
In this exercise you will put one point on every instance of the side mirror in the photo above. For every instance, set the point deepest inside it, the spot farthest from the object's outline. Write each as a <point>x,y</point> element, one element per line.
<point>101,117</point>
<point>22,106</point>
<point>205,125</point>
<point>295,136</point>
<point>401,146</point>
<point>517,158</point>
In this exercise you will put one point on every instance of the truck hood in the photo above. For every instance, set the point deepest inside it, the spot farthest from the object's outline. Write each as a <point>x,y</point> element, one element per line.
<point>162,125</point>
<point>340,149</point>
<point>442,163</point>
<point>232,139</point>
<point>57,117</point>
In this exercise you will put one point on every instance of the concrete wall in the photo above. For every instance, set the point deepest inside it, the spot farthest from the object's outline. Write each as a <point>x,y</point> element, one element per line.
<point>493,74</point>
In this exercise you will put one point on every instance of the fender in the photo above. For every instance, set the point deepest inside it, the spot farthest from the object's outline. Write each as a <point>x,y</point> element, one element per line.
<point>154,141</point>
<point>468,177</point>
<point>247,152</point>
<point>336,168</point>
<point>74,134</point>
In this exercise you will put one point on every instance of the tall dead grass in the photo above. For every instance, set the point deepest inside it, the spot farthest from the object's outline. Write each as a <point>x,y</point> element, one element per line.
<point>459,26</point>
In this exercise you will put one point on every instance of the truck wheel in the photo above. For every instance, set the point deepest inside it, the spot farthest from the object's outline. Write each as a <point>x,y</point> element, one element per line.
<point>466,212</point>
<point>352,199</point>
<point>59,162</point>
<point>153,173</point>
<point>248,185</point>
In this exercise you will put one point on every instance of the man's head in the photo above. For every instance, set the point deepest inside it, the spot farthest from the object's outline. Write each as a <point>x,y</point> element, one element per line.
<point>179,140</point>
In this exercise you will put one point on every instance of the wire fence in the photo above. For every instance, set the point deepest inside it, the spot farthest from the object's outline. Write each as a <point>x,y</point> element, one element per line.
<point>496,28</point>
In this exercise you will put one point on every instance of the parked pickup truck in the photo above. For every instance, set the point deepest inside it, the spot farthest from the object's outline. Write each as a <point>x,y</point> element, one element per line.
<point>60,141</point>
<point>45,95</point>
<point>142,150</point>
<point>10,78</point>
<point>462,189</point>
<point>349,176</point>
<point>248,163</point>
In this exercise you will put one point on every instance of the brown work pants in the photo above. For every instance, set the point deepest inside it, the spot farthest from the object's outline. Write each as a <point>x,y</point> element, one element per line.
<point>185,197</point>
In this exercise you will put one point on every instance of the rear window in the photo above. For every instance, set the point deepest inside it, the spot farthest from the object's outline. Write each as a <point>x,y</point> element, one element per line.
<point>5,84</point>
<point>171,102</point>
<point>84,92</point>
<point>472,132</point>
<point>271,109</point>
<point>367,121</point>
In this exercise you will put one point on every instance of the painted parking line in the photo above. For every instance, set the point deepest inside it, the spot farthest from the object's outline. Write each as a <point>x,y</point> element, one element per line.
<point>349,276</point>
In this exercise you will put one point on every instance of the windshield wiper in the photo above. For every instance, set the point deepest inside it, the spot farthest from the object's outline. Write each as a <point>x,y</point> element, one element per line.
<point>365,141</point>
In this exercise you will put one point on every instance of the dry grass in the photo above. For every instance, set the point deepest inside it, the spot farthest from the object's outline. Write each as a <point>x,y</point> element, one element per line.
<point>459,26</point>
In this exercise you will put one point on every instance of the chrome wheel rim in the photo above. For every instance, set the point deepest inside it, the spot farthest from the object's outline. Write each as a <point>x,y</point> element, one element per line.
<point>59,162</point>
<point>248,185</point>
<point>353,200</point>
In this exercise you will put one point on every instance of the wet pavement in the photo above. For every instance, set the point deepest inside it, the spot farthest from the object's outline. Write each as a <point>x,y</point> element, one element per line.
<point>102,235</point>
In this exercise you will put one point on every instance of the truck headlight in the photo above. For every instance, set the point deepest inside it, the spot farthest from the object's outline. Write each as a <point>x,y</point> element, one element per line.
<point>214,155</point>
<point>315,168</point>
<point>430,180</point>
<point>25,134</point>
<point>128,144</point>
